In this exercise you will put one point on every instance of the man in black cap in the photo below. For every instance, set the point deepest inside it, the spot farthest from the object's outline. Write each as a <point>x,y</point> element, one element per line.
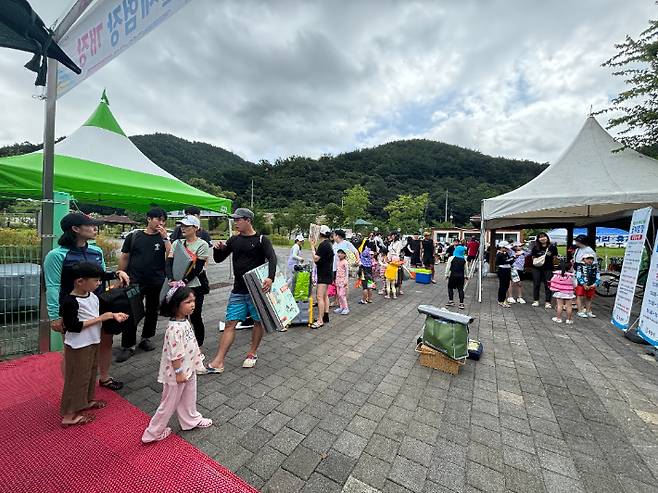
<point>250,250</point>
<point>143,257</point>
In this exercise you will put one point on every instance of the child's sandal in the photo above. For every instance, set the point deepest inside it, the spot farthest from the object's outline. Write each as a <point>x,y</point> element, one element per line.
<point>316,325</point>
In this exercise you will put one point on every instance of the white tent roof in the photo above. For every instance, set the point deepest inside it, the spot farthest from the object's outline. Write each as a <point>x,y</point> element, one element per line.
<point>588,182</point>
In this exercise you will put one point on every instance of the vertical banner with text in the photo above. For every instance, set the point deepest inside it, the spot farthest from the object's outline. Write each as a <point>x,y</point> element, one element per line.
<point>106,29</point>
<point>621,312</point>
<point>648,327</point>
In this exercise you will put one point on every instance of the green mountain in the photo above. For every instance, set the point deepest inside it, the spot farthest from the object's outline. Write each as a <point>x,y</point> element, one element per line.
<point>401,167</point>
<point>388,170</point>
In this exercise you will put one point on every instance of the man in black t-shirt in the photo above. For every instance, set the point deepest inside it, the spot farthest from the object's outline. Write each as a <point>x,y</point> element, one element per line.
<point>143,257</point>
<point>250,250</point>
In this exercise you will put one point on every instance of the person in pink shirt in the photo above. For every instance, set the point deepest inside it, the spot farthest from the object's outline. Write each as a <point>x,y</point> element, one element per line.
<point>342,274</point>
<point>181,360</point>
<point>562,284</point>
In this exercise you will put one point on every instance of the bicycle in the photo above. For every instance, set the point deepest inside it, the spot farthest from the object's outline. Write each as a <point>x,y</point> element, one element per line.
<point>610,282</point>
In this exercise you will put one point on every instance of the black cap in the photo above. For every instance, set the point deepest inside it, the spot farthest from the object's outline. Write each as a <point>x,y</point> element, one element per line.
<point>77,219</point>
<point>581,239</point>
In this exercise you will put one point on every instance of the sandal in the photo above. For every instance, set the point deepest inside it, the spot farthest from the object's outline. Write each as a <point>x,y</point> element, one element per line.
<point>111,384</point>
<point>80,419</point>
<point>99,404</point>
<point>163,435</point>
<point>316,325</point>
<point>204,423</point>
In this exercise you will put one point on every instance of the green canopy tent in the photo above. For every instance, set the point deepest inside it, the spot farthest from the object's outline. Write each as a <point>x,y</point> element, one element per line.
<point>99,165</point>
<point>361,222</point>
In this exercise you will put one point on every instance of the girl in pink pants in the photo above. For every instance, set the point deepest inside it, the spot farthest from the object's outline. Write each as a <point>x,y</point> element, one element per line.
<point>181,359</point>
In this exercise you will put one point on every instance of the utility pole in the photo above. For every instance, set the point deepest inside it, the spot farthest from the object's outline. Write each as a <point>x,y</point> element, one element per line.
<point>445,215</point>
<point>252,193</point>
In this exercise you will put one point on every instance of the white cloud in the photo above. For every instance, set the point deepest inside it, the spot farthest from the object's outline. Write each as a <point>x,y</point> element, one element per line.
<point>266,79</point>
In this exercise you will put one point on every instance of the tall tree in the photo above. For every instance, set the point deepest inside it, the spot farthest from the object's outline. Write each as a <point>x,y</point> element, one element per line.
<point>333,215</point>
<point>407,212</point>
<point>355,203</point>
<point>637,63</point>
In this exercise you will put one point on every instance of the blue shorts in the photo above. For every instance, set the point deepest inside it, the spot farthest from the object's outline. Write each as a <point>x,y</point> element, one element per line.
<point>239,306</point>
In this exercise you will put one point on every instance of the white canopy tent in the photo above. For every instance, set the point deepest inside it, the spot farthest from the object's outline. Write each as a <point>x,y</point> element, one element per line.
<point>595,180</point>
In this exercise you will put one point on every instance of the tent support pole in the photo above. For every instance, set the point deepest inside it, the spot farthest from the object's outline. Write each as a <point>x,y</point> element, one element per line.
<point>492,250</point>
<point>481,252</point>
<point>569,239</point>
<point>47,198</point>
<point>591,235</point>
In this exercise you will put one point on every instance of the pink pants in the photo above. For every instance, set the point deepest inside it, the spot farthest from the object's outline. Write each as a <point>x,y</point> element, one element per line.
<point>179,398</point>
<point>341,292</point>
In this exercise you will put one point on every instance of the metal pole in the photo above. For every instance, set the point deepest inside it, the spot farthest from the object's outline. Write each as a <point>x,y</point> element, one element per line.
<point>252,194</point>
<point>445,215</point>
<point>47,203</point>
<point>481,252</point>
<point>47,179</point>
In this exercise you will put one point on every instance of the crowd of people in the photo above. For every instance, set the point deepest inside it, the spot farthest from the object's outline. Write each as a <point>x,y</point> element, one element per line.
<point>570,280</point>
<point>171,275</point>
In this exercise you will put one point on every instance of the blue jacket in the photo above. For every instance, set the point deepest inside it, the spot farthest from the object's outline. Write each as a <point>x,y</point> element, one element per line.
<point>58,277</point>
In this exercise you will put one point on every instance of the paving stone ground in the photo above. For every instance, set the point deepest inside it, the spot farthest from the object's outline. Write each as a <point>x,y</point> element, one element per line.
<point>549,407</point>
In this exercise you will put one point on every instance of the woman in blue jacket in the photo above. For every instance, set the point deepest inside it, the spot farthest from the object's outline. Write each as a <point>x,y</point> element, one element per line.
<point>74,248</point>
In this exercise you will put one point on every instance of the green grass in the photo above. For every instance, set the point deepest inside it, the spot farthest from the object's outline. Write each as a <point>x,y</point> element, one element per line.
<point>600,251</point>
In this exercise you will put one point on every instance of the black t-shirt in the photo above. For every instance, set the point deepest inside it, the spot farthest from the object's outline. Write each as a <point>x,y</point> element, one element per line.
<point>325,265</point>
<point>414,245</point>
<point>457,267</point>
<point>146,264</point>
<point>248,252</point>
<point>428,251</point>
<point>551,253</point>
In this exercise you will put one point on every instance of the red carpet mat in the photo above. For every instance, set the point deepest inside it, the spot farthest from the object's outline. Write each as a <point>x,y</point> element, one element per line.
<point>38,455</point>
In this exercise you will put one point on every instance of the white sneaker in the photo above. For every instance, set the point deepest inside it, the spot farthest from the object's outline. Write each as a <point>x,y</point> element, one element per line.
<point>520,301</point>
<point>338,310</point>
<point>511,300</point>
<point>557,320</point>
<point>535,303</point>
<point>346,311</point>
<point>250,361</point>
<point>569,322</point>
<point>591,315</point>
<point>582,314</point>
<point>548,305</point>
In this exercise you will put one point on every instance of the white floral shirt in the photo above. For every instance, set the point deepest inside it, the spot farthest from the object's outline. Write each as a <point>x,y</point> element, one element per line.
<point>179,343</point>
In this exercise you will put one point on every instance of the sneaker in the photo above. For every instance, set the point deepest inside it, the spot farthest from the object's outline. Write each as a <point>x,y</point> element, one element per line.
<point>504,304</point>
<point>557,320</point>
<point>338,310</point>
<point>250,361</point>
<point>346,311</point>
<point>387,297</point>
<point>461,306</point>
<point>450,303</point>
<point>124,354</point>
<point>535,303</point>
<point>591,315</point>
<point>381,291</point>
<point>395,296</point>
<point>569,322</point>
<point>362,302</point>
<point>368,301</point>
<point>582,314</point>
<point>146,345</point>
<point>511,300</point>
<point>547,305</point>
<point>521,301</point>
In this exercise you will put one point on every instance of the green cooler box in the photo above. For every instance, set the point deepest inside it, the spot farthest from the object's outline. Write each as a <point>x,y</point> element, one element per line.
<point>446,331</point>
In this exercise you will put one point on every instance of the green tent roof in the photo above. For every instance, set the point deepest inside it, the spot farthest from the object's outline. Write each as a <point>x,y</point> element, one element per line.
<point>99,165</point>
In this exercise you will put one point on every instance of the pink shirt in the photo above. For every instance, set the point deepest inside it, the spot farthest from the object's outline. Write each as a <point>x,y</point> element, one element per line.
<point>342,269</point>
<point>179,343</point>
<point>562,284</point>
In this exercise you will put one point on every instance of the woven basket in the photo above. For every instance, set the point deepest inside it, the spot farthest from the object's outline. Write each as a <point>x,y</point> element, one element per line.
<point>437,360</point>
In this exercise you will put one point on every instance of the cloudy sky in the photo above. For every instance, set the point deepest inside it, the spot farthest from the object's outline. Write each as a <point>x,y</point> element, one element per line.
<point>266,79</point>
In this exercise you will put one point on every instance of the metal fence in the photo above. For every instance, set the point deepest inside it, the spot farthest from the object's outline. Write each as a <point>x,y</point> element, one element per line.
<point>20,272</point>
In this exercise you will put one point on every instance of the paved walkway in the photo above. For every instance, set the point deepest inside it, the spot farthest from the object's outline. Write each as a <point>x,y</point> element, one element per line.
<point>348,408</point>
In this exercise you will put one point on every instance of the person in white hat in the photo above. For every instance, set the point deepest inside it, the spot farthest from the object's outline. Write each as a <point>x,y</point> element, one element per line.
<point>295,257</point>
